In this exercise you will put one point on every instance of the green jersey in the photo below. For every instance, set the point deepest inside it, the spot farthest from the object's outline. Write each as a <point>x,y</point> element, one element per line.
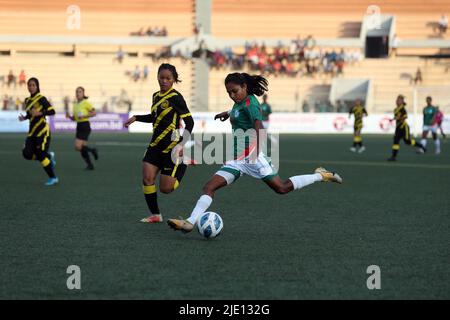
<point>242,118</point>
<point>266,110</point>
<point>429,113</point>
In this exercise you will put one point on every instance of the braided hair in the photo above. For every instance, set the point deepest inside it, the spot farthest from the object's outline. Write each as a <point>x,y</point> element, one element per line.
<point>172,69</point>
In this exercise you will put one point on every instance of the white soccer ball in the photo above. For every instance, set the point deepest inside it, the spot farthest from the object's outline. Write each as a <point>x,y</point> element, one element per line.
<point>209,225</point>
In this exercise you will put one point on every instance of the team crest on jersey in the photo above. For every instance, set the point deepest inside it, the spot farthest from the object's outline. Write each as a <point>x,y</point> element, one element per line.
<point>164,105</point>
<point>236,114</point>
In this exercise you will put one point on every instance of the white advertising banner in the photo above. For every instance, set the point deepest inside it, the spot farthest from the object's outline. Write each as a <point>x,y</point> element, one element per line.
<point>310,123</point>
<point>9,122</point>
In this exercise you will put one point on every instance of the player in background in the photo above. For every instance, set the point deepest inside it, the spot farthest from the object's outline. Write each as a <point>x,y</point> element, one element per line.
<point>167,109</point>
<point>429,124</point>
<point>266,111</point>
<point>37,143</point>
<point>81,112</point>
<point>439,118</point>
<point>359,112</point>
<point>245,117</point>
<point>402,129</point>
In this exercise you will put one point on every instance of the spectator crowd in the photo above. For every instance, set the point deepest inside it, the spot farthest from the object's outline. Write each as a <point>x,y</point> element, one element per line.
<point>301,58</point>
<point>150,32</point>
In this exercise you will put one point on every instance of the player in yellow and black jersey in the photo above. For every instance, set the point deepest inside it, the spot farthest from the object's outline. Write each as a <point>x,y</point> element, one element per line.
<point>165,149</point>
<point>402,129</point>
<point>37,143</point>
<point>359,112</point>
<point>82,111</point>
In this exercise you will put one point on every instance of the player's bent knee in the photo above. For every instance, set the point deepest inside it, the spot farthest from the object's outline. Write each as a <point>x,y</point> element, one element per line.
<point>148,181</point>
<point>166,190</point>
<point>280,189</point>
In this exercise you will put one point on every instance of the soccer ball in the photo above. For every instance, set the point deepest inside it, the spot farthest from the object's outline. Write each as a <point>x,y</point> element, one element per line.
<point>210,225</point>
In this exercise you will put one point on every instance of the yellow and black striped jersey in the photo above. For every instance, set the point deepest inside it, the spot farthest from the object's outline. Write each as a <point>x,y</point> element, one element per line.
<point>400,115</point>
<point>38,124</point>
<point>166,112</point>
<point>358,111</point>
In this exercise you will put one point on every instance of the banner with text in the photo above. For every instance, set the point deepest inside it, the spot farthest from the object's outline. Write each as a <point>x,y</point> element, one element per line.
<point>284,122</point>
<point>101,122</point>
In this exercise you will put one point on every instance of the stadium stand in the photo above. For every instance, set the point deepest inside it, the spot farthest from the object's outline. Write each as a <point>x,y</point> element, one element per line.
<point>93,46</point>
<point>102,17</point>
<point>98,74</point>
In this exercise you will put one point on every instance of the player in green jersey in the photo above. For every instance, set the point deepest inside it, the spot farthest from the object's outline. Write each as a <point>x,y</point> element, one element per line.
<point>245,117</point>
<point>266,111</point>
<point>429,124</point>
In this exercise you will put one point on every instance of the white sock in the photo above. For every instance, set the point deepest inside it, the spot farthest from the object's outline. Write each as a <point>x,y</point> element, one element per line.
<point>305,180</point>
<point>437,144</point>
<point>423,142</point>
<point>189,144</point>
<point>202,205</point>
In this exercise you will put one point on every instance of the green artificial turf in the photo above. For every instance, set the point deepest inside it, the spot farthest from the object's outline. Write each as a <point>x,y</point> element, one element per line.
<point>315,243</point>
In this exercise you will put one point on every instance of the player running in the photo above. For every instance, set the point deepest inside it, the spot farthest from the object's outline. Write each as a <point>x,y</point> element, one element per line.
<point>359,112</point>
<point>37,143</point>
<point>402,129</point>
<point>168,108</point>
<point>245,116</point>
<point>429,124</point>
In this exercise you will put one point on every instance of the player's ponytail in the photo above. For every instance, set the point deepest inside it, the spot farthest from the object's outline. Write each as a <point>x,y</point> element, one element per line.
<point>84,94</point>
<point>256,84</point>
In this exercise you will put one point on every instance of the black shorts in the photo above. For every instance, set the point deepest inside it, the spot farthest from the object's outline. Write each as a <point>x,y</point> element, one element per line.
<point>402,132</point>
<point>83,130</point>
<point>164,162</point>
<point>37,146</point>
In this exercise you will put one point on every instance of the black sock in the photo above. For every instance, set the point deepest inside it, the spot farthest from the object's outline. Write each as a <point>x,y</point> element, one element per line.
<point>419,145</point>
<point>355,144</point>
<point>47,165</point>
<point>49,170</point>
<point>85,155</point>
<point>151,198</point>
<point>360,144</point>
<point>91,150</point>
<point>394,153</point>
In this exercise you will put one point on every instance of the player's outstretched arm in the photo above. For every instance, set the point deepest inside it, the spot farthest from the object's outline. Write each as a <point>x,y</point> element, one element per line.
<point>223,116</point>
<point>145,118</point>
<point>129,122</point>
